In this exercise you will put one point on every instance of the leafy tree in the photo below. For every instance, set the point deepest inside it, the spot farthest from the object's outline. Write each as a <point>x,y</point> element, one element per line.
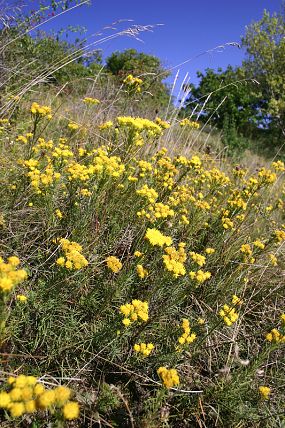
<point>264,42</point>
<point>225,96</point>
<point>140,64</point>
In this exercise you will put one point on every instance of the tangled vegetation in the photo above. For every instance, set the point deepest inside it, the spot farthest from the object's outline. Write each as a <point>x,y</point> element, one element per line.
<point>147,281</point>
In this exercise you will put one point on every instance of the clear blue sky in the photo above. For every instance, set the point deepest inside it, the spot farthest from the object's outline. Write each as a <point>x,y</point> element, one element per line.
<point>190,28</point>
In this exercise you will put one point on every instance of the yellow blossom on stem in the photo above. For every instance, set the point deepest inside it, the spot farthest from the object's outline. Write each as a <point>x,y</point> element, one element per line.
<point>264,392</point>
<point>169,377</point>
<point>114,264</point>
<point>155,237</point>
<point>144,348</point>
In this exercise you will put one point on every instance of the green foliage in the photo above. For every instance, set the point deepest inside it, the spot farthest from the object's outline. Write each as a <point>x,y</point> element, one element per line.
<point>235,142</point>
<point>48,59</point>
<point>230,94</point>
<point>148,67</point>
<point>248,100</point>
<point>264,42</point>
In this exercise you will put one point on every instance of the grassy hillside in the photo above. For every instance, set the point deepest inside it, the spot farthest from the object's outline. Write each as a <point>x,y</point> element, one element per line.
<point>139,269</point>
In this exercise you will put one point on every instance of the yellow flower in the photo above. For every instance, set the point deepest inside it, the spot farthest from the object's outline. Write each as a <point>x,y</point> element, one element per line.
<point>46,399</point>
<point>30,406</point>
<point>257,243</point>
<point>15,394</point>
<point>90,100</point>
<point>71,410</point>
<point>169,377</point>
<point>210,250</point>
<point>187,336</point>
<point>141,271</point>
<point>138,254</point>
<point>62,394</point>
<point>4,400</point>
<point>60,261</point>
<point>126,322</point>
<point>273,259</point>
<point>264,392</point>
<point>27,393</point>
<point>133,311</point>
<point>43,111</point>
<point>155,237</point>
<point>189,123</point>
<point>229,314</point>
<point>236,300</point>
<point>21,298</point>
<point>39,389</point>
<point>198,258</point>
<point>114,264</point>
<point>16,410</point>
<point>73,126</point>
<point>144,348</point>
<point>58,213</point>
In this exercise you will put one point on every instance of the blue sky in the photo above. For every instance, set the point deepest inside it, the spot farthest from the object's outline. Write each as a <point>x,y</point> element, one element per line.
<point>190,28</point>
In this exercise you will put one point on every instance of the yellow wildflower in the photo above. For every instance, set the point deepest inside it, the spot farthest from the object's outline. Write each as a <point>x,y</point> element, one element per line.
<point>114,264</point>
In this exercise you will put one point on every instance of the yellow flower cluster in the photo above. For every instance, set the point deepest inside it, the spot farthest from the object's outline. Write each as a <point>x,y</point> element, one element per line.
<point>148,193</point>
<point>280,235</point>
<point>198,258</point>
<point>144,348</point>
<point>210,250</point>
<point>275,335</point>
<point>42,111</point>
<point>169,377</point>
<point>10,276</point>
<point>133,83</point>
<point>24,138</point>
<point>264,392</point>
<point>139,124</point>
<point>155,237</point>
<point>135,311</point>
<point>187,337</point>
<point>266,176</point>
<point>62,151</point>
<point>247,252</point>
<point>42,145</point>
<point>21,298</point>
<point>200,276</point>
<point>174,259</point>
<point>106,125</point>
<point>227,223</point>
<point>165,172</point>
<point>73,259</point>
<point>76,171</point>
<point>229,314</point>
<point>111,165</point>
<point>189,123</point>
<point>278,166</point>
<point>162,123</point>
<point>273,259</point>
<point>114,264</point>
<point>259,244</point>
<point>73,126</point>
<point>25,395</point>
<point>141,271</point>
<point>90,100</point>
<point>158,210</point>
<point>41,179</point>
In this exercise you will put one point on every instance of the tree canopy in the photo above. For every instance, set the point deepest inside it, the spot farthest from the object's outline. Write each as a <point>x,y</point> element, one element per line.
<point>250,97</point>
